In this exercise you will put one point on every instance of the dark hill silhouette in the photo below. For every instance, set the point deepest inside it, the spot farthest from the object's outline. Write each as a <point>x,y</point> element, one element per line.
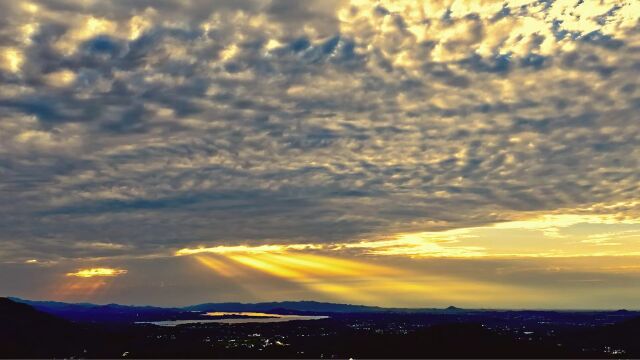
<point>110,313</point>
<point>25,316</point>
<point>28,333</point>
<point>623,335</point>
<point>460,341</point>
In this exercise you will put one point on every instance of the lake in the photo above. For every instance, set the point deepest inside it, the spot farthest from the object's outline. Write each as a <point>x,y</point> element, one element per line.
<point>243,318</point>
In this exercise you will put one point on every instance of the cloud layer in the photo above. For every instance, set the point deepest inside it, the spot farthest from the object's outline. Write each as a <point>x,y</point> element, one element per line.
<point>137,129</point>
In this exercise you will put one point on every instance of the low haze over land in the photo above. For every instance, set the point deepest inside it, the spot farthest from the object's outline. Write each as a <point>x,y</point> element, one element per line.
<point>393,153</point>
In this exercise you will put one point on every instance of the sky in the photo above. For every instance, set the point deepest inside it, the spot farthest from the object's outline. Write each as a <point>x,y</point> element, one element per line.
<point>413,153</point>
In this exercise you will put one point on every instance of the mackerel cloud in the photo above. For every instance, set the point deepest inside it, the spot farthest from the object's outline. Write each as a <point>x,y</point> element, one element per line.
<point>149,126</point>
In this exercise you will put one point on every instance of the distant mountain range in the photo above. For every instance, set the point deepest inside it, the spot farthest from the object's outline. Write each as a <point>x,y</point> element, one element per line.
<point>305,306</point>
<point>114,313</point>
<point>87,312</point>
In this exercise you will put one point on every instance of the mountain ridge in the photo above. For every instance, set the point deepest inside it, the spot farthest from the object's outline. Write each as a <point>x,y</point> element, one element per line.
<point>114,312</point>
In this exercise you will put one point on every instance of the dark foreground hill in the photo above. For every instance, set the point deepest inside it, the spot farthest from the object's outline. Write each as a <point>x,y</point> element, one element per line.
<point>110,313</point>
<point>26,332</point>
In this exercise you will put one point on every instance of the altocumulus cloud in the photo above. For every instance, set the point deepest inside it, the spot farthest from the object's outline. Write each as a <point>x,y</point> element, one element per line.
<point>154,126</point>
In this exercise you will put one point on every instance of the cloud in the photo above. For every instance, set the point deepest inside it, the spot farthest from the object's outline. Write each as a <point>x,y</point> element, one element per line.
<point>159,126</point>
<point>97,272</point>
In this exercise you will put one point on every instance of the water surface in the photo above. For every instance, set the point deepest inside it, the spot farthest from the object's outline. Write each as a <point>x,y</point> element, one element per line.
<point>243,318</point>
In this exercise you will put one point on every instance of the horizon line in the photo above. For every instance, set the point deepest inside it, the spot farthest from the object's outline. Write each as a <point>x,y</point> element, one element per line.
<point>336,303</point>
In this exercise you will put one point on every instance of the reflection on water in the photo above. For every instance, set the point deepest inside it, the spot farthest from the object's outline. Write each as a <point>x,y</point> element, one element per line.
<point>243,318</point>
<point>243,313</point>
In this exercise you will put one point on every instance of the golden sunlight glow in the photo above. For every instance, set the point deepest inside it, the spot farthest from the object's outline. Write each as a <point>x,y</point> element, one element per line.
<point>550,235</point>
<point>97,272</point>
<point>339,279</point>
<point>243,313</point>
<point>30,7</point>
<point>84,29</point>
<point>330,271</point>
<point>228,53</point>
<point>82,289</point>
<point>220,266</point>
<point>268,267</point>
<point>476,29</point>
<point>325,275</point>
<point>327,266</point>
<point>436,244</point>
<point>554,235</point>
<point>139,24</point>
<point>245,249</point>
<point>60,78</point>
<point>12,59</point>
<point>555,221</point>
